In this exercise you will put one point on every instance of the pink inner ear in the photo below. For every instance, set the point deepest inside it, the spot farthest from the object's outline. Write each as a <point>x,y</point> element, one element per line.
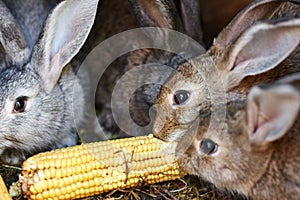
<point>260,115</point>
<point>266,117</point>
<point>261,121</point>
<point>55,61</point>
<point>264,126</point>
<point>239,60</point>
<point>271,112</point>
<point>253,121</point>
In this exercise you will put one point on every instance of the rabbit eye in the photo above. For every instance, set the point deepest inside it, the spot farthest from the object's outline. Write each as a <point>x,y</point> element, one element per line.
<point>20,104</point>
<point>208,146</point>
<point>180,97</point>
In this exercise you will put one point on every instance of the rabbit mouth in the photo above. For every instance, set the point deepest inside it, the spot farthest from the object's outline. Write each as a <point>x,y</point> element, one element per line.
<point>188,131</point>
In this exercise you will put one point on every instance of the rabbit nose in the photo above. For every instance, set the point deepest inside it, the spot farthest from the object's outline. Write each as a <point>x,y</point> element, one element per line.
<point>160,129</point>
<point>157,126</point>
<point>159,121</point>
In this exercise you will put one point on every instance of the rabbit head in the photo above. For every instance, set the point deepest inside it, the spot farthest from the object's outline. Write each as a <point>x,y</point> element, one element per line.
<point>248,51</point>
<point>144,13</point>
<point>39,91</point>
<point>257,152</point>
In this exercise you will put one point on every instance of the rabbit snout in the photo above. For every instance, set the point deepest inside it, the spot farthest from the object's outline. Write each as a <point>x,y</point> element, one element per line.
<point>166,126</point>
<point>42,102</point>
<point>24,103</point>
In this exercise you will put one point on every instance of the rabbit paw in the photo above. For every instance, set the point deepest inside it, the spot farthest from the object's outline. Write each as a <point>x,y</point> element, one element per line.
<point>68,141</point>
<point>12,157</point>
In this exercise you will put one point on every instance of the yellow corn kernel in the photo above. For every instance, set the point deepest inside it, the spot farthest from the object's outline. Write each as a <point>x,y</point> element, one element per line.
<point>3,190</point>
<point>94,168</point>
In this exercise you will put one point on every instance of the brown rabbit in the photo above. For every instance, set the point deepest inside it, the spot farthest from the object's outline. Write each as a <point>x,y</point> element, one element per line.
<point>258,154</point>
<point>244,54</point>
<point>203,105</point>
<point>133,14</point>
<point>116,16</point>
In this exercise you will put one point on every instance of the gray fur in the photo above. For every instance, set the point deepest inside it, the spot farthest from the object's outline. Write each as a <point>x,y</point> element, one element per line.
<point>31,16</point>
<point>48,83</point>
<point>14,50</point>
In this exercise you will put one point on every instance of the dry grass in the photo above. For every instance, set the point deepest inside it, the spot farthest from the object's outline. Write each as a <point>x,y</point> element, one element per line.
<point>190,187</point>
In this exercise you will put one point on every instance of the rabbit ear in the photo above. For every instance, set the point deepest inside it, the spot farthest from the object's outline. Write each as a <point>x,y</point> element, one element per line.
<point>13,46</point>
<point>261,48</point>
<point>190,13</point>
<point>271,112</point>
<point>258,10</point>
<point>294,1</point>
<point>65,32</point>
<point>159,13</point>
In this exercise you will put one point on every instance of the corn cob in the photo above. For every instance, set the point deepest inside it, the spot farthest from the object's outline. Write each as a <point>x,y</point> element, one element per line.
<point>3,190</point>
<point>94,168</point>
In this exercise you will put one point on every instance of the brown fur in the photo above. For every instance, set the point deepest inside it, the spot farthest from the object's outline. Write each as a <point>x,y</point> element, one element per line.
<point>116,16</point>
<point>268,171</point>
<point>209,72</point>
<point>258,171</point>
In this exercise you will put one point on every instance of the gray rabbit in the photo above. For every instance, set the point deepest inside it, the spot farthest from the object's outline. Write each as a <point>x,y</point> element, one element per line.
<point>39,92</point>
